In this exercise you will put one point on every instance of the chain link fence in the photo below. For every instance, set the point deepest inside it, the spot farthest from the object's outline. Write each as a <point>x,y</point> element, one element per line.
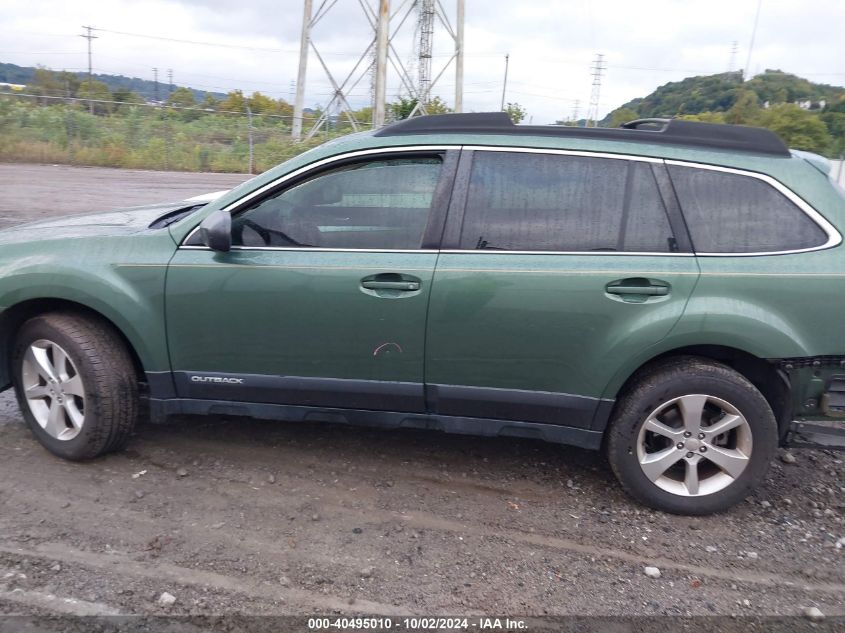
<point>37,128</point>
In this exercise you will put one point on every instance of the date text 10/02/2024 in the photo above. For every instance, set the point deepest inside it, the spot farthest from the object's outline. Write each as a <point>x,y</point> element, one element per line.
<point>416,624</point>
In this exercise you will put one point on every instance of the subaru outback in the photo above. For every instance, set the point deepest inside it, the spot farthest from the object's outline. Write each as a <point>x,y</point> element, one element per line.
<point>669,292</point>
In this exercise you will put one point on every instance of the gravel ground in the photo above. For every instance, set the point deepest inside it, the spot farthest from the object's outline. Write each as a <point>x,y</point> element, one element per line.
<point>235,515</point>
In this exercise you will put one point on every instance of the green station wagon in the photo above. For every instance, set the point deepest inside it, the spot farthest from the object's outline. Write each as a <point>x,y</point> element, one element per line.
<point>670,292</point>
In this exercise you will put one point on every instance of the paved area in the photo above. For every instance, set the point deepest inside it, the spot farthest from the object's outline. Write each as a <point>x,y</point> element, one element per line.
<point>31,192</point>
<point>237,515</point>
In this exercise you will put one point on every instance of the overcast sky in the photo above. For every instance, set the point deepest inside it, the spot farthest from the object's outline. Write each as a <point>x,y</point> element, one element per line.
<point>254,44</point>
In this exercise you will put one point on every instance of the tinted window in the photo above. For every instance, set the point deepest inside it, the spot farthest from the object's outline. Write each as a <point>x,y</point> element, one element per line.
<point>377,204</point>
<point>544,202</point>
<point>729,213</point>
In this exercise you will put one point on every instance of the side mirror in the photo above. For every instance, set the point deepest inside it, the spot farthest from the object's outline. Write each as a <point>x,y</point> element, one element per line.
<point>216,231</point>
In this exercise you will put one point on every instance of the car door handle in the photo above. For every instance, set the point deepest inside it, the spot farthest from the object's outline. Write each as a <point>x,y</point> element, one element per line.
<point>653,291</point>
<point>391,285</point>
<point>637,289</point>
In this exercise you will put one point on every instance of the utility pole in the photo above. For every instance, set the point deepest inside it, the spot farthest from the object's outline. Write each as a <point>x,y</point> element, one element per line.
<point>459,58</point>
<point>249,131</point>
<point>505,83</point>
<point>304,41</point>
<point>382,24</point>
<point>155,84</point>
<point>89,37</point>
<point>169,82</point>
<point>598,68</point>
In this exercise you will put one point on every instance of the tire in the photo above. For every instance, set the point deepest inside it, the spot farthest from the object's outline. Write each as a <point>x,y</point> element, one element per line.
<point>81,407</point>
<point>675,394</point>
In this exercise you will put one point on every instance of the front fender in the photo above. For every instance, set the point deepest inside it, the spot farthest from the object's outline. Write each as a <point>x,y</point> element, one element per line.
<point>123,283</point>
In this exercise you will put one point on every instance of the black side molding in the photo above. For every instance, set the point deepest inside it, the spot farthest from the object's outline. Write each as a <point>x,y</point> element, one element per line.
<point>160,409</point>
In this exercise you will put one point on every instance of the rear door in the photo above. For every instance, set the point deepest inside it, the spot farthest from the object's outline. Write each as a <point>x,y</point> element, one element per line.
<point>556,267</point>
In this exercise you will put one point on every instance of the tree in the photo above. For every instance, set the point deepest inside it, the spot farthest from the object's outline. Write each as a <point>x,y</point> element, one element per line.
<point>516,112</point>
<point>622,115</point>
<point>125,95</point>
<point>437,106</point>
<point>50,84</point>
<point>706,117</point>
<point>403,108</point>
<point>797,127</point>
<point>262,104</point>
<point>97,91</point>
<point>209,102</point>
<point>234,102</point>
<point>745,109</point>
<point>182,98</point>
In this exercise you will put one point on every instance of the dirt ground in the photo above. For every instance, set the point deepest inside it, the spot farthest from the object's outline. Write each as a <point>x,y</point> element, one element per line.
<point>236,515</point>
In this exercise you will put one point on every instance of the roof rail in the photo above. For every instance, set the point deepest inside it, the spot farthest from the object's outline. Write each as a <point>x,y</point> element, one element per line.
<point>663,131</point>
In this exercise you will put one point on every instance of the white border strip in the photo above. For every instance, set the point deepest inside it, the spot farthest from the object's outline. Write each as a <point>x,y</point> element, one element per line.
<point>833,235</point>
<point>834,238</point>
<point>317,165</point>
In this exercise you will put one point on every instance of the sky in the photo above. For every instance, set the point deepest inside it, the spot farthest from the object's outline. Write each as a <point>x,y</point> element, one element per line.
<point>221,45</point>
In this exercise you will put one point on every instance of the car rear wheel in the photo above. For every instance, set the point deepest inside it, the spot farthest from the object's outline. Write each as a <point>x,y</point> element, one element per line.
<point>76,384</point>
<point>691,436</point>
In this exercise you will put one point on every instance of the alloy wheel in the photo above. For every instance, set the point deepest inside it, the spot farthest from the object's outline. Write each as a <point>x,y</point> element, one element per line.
<point>53,390</point>
<point>694,445</point>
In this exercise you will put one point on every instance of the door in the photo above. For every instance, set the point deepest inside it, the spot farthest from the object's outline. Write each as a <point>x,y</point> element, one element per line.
<point>562,266</point>
<point>322,299</point>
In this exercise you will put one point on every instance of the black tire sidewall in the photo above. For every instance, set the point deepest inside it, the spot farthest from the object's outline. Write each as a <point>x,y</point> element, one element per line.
<point>700,379</point>
<point>90,440</point>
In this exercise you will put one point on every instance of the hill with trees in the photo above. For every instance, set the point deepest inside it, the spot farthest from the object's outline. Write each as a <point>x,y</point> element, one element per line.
<point>807,115</point>
<point>144,88</point>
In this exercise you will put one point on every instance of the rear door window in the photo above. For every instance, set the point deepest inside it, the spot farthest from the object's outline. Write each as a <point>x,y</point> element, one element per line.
<point>732,213</point>
<point>521,201</point>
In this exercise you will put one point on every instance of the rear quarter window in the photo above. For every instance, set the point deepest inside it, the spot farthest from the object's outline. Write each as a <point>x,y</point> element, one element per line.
<point>732,213</point>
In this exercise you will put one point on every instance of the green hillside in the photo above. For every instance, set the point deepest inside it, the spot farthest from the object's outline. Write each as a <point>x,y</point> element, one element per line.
<point>773,99</point>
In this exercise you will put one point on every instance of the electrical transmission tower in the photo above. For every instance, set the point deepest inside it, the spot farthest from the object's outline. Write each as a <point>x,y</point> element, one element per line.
<point>425,22</point>
<point>155,84</point>
<point>87,35</point>
<point>732,58</point>
<point>598,68</point>
<point>379,55</point>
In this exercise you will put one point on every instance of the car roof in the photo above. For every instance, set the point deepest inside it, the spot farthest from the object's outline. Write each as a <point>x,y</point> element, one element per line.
<point>679,132</point>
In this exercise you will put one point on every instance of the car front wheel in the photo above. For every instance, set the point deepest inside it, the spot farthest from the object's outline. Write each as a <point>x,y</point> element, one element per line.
<point>691,436</point>
<point>76,384</point>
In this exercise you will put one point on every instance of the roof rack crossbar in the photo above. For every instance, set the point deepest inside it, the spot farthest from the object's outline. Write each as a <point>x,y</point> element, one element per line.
<point>661,131</point>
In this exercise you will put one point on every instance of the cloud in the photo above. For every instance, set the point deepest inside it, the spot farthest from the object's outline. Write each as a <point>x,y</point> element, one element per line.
<point>253,45</point>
